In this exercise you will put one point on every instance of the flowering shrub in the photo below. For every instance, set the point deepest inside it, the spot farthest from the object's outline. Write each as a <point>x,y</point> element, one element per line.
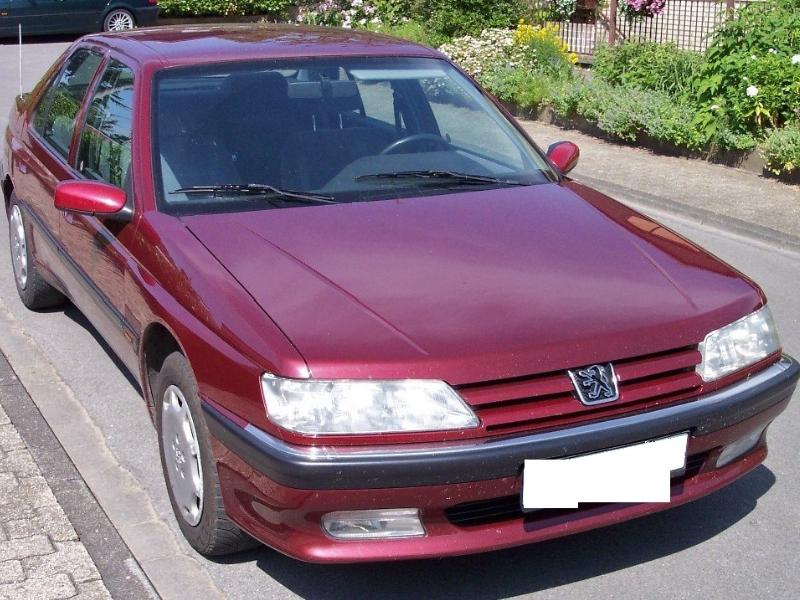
<point>492,49</point>
<point>529,47</point>
<point>339,13</point>
<point>635,9</point>
<point>751,80</point>
<point>542,48</point>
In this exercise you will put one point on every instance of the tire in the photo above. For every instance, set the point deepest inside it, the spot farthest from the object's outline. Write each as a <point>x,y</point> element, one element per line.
<point>189,468</point>
<point>119,19</point>
<point>33,290</point>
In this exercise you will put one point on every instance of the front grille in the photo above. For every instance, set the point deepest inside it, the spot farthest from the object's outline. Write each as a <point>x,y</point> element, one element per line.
<point>507,508</point>
<point>549,401</point>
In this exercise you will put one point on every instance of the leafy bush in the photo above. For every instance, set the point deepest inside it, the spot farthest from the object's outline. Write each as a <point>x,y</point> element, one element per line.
<point>202,8</point>
<point>526,89</point>
<point>649,66</point>
<point>452,18</point>
<point>626,113</point>
<point>562,10</point>
<point>408,30</point>
<point>751,81</point>
<point>781,150</point>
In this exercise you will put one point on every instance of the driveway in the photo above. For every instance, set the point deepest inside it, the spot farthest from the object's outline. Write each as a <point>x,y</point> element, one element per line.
<point>742,542</point>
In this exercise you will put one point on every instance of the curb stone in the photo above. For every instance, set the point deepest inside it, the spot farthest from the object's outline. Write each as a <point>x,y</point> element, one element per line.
<point>174,575</point>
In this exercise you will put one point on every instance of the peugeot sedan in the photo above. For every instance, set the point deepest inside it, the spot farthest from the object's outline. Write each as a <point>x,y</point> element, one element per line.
<point>371,319</point>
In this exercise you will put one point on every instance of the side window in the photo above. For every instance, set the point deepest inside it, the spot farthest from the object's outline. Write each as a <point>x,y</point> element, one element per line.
<point>378,100</point>
<point>104,152</point>
<point>55,118</point>
<point>465,124</point>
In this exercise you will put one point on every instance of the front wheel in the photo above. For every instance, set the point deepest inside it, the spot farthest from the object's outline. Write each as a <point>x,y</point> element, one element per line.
<point>119,19</point>
<point>188,463</point>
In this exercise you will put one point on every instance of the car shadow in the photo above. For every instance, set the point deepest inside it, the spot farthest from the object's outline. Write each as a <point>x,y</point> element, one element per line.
<point>63,38</point>
<point>77,316</point>
<point>526,569</point>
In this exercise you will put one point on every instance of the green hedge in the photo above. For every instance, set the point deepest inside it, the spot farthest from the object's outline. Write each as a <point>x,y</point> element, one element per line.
<point>222,8</point>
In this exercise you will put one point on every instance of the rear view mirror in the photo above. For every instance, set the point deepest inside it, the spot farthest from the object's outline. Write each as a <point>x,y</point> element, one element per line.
<point>564,155</point>
<point>92,198</point>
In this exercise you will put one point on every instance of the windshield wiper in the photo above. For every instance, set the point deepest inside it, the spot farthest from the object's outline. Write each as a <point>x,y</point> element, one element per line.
<point>256,189</point>
<point>452,175</point>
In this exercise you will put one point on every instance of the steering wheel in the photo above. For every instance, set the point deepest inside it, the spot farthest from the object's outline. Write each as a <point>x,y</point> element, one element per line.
<point>397,145</point>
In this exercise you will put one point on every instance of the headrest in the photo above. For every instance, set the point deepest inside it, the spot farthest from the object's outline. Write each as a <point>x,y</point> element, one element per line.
<point>246,93</point>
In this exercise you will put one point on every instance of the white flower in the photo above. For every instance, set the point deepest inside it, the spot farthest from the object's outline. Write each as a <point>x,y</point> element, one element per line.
<point>796,59</point>
<point>773,51</point>
<point>753,56</point>
<point>752,91</point>
<point>714,107</point>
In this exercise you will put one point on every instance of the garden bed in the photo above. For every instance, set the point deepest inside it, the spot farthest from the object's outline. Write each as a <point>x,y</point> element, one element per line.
<point>748,160</point>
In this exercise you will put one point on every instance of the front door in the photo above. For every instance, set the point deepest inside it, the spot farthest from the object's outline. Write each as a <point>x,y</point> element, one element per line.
<point>97,245</point>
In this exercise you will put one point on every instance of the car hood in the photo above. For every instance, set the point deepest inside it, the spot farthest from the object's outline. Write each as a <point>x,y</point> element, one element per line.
<point>474,286</point>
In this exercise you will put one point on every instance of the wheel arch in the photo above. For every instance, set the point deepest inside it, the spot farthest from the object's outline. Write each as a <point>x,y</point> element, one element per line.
<point>8,188</point>
<point>158,341</point>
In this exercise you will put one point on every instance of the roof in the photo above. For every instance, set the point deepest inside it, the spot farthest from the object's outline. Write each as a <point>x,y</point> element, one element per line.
<point>184,45</point>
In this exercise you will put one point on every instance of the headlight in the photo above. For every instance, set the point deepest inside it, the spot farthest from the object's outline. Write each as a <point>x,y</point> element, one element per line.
<point>738,345</point>
<point>316,406</point>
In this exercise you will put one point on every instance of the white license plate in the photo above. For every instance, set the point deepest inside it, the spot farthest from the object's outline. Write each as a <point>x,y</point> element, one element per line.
<point>638,473</point>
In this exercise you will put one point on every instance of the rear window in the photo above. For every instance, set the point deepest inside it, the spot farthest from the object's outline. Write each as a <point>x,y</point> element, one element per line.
<point>55,117</point>
<point>343,128</point>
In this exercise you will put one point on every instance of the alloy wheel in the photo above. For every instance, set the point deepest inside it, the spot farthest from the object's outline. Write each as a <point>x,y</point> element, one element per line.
<point>119,20</point>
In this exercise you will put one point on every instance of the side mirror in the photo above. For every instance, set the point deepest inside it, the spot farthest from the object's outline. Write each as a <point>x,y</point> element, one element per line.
<point>92,198</point>
<point>564,155</point>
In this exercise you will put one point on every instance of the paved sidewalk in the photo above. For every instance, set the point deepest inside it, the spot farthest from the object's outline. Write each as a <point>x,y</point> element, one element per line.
<point>734,198</point>
<point>41,556</point>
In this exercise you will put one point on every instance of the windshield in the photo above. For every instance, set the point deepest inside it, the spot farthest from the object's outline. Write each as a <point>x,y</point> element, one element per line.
<point>344,129</point>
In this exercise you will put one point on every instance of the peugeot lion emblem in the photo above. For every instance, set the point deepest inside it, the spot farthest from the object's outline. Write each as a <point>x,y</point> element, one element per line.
<point>595,384</point>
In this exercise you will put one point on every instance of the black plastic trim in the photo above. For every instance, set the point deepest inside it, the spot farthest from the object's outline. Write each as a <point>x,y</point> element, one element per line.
<point>80,275</point>
<point>411,465</point>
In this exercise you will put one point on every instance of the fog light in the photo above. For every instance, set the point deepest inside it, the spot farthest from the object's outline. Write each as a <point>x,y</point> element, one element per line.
<point>373,524</point>
<point>741,446</point>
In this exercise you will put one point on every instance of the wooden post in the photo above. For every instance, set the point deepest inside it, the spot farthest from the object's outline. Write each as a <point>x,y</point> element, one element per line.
<point>731,8</point>
<point>612,22</point>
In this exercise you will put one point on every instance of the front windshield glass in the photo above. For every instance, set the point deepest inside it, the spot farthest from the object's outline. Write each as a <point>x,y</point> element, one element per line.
<point>233,137</point>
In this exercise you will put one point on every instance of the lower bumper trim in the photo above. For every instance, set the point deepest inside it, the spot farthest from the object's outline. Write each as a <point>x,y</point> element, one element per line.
<point>431,464</point>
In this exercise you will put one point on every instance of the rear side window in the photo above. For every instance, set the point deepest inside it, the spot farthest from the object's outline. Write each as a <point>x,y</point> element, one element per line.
<point>55,118</point>
<point>104,152</point>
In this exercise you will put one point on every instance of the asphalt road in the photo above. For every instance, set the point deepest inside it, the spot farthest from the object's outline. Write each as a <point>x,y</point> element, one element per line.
<point>742,542</point>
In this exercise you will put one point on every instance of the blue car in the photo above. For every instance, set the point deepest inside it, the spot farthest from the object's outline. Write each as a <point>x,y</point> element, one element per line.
<point>40,17</point>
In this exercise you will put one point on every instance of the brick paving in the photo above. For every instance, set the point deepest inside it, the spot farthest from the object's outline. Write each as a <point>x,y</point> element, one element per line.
<point>41,557</point>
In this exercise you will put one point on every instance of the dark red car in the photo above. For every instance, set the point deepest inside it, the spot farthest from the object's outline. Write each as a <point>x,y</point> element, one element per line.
<point>371,319</point>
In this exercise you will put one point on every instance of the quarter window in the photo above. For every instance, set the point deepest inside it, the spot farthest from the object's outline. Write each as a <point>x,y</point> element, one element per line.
<point>55,118</point>
<point>105,145</point>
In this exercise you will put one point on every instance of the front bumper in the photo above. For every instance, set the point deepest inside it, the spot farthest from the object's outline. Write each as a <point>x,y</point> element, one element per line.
<point>278,492</point>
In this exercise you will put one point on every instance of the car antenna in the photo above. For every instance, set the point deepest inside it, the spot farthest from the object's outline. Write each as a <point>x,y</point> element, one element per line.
<point>19,25</point>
